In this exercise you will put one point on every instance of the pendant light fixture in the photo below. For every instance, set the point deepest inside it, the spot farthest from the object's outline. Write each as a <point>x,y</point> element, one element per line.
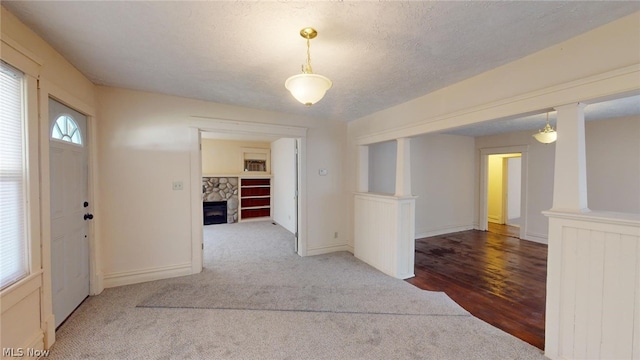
<point>308,88</point>
<point>546,135</point>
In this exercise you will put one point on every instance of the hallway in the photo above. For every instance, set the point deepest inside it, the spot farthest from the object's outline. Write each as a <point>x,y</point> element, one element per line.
<point>498,278</point>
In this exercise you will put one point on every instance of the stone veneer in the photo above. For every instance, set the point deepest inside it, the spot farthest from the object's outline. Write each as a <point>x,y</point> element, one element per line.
<point>220,189</point>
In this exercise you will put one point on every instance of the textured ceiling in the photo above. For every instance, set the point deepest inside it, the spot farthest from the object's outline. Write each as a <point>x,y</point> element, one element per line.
<point>378,54</point>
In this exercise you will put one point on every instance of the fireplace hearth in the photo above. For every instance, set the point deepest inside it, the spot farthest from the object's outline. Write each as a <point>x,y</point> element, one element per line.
<point>214,212</point>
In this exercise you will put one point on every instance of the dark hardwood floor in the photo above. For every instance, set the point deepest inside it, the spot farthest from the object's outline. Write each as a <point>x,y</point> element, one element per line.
<point>498,278</point>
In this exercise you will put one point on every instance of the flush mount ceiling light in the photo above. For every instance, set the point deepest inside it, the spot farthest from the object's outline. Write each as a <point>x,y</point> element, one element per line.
<point>308,88</point>
<point>546,135</point>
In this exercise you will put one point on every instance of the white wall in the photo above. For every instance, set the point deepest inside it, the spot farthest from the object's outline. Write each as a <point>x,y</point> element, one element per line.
<point>382,167</point>
<point>613,164</point>
<point>283,188</point>
<point>26,313</point>
<point>144,145</point>
<point>442,177</point>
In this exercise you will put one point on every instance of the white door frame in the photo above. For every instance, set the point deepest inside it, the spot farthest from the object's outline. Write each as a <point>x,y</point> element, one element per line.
<point>49,90</point>
<point>484,181</point>
<point>204,124</point>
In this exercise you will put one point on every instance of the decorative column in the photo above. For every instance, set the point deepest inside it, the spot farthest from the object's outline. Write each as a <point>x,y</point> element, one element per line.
<point>593,277</point>
<point>403,167</point>
<point>570,175</point>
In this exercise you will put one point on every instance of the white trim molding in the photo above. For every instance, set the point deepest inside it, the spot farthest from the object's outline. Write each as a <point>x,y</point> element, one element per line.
<point>589,89</point>
<point>144,275</point>
<point>444,230</point>
<point>328,249</point>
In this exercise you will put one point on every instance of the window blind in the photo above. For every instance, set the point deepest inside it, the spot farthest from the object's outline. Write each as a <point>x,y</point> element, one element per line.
<point>13,239</point>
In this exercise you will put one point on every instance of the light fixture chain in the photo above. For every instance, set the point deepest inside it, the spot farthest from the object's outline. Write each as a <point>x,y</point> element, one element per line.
<point>308,70</point>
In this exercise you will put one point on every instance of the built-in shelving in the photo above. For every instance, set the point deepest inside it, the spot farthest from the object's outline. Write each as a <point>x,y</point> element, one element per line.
<point>255,198</point>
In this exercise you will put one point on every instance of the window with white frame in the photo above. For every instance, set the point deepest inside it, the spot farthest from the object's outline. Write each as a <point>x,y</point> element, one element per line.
<point>66,129</point>
<point>13,234</point>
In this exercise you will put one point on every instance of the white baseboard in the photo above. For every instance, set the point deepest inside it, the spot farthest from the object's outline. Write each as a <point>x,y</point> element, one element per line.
<point>97,286</point>
<point>406,276</point>
<point>539,238</point>
<point>350,249</point>
<point>443,230</point>
<point>32,349</point>
<point>49,328</point>
<point>144,275</point>
<point>328,249</point>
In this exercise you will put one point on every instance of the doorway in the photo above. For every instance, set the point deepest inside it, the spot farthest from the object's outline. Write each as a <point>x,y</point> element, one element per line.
<point>244,129</point>
<point>504,189</point>
<point>518,203</point>
<point>69,209</point>
<point>248,194</point>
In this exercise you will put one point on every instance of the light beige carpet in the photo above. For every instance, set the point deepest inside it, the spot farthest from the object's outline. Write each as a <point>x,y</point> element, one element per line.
<point>255,299</point>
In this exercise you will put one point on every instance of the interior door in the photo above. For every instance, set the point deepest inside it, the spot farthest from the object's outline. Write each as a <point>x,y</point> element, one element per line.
<point>69,209</point>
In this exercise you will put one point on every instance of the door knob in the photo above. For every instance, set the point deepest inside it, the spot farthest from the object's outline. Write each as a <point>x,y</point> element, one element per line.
<point>88,216</point>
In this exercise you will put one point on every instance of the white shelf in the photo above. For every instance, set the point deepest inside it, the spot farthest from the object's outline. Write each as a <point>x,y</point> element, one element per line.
<point>256,197</point>
<point>257,207</point>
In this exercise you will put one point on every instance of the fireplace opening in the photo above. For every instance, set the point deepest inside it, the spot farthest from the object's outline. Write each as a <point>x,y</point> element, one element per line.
<point>214,212</point>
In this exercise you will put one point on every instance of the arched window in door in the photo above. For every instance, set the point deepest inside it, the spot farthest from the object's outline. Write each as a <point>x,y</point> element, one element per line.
<point>66,129</point>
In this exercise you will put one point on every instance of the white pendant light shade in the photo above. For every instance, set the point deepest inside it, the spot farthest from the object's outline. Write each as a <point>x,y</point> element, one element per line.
<point>546,135</point>
<point>308,88</point>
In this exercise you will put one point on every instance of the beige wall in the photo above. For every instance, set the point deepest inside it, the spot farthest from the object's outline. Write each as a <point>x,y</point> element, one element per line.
<point>442,176</point>
<point>144,146</point>
<point>27,319</point>
<point>494,190</point>
<point>224,157</point>
<point>613,164</point>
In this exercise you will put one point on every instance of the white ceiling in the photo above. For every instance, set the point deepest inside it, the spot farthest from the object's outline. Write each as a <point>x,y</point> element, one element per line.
<point>378,54</point>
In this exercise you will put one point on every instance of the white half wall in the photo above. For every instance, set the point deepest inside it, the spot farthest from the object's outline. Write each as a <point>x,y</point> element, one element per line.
<point>283,188</point>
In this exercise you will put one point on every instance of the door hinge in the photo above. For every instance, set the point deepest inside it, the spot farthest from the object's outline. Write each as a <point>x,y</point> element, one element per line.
<point>202,246</point>
<point>296,234</point>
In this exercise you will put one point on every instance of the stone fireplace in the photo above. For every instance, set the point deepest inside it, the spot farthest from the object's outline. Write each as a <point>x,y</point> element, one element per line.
<point>222,189</point>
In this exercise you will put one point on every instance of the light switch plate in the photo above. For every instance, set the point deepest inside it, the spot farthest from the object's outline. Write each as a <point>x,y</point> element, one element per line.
<point>323,172</point>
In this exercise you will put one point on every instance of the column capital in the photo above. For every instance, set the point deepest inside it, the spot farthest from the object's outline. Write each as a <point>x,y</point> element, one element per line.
<point>578,105</point>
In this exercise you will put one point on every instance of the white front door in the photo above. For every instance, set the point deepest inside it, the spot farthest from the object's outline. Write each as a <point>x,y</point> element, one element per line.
<point>69,209</point>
